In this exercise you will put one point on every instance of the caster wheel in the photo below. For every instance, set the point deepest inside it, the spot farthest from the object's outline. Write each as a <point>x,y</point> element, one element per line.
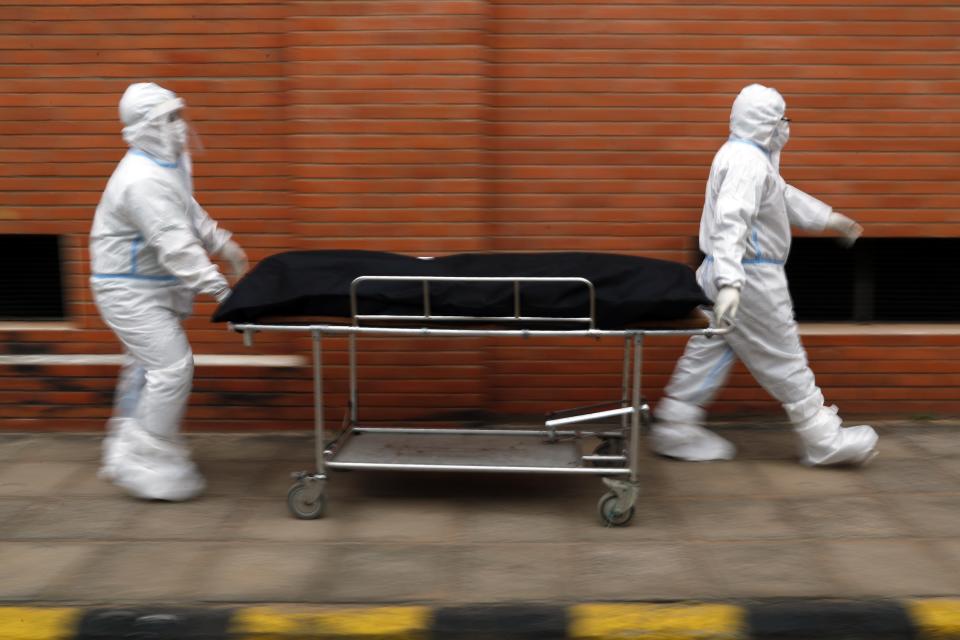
<point>302,509</point>
<point>608,511</point>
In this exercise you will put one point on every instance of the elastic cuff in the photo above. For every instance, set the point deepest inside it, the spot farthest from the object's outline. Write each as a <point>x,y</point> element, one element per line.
<point>720,284</point>
<point>826,221</point>
<point>799,412</point>
<point>223,243</point>
<point>671,410</point>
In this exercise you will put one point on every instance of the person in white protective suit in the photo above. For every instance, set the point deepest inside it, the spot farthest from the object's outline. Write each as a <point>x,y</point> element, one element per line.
<point>149,249</point>
<point>745,236</point>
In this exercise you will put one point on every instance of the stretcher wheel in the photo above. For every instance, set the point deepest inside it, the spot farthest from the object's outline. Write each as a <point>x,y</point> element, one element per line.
<point>299,506</point>
<point>608,511</point>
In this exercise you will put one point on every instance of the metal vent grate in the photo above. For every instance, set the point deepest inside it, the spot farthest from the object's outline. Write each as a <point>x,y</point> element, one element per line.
<point>31,284</point>
<point>877,280</point>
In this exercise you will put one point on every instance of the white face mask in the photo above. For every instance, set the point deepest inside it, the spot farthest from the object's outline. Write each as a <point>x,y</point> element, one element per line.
<point>780,136</point>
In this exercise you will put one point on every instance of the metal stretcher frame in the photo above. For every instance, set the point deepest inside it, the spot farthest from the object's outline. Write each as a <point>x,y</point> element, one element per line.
<point>616,460</point>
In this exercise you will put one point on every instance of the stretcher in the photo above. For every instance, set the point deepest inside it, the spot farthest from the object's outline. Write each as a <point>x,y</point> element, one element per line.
<point>555,447</point>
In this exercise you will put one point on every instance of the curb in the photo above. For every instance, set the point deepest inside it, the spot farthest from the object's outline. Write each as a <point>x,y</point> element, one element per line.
<point>914,619</point>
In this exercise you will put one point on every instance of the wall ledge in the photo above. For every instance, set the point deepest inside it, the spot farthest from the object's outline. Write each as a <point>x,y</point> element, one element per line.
<point>38,326</point>
<point>879,329</point>
<point>200,360</point>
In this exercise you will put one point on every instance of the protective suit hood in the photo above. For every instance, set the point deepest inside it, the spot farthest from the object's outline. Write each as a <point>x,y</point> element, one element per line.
<point>756,115</point>
<point>144,110</point>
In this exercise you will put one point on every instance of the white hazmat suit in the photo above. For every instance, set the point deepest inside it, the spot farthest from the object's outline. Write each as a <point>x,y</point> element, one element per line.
<point>745,235</point>
<point>149,249</point>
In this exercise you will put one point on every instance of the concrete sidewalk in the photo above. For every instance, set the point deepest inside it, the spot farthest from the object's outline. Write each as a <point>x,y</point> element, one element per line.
<point>759,527</point>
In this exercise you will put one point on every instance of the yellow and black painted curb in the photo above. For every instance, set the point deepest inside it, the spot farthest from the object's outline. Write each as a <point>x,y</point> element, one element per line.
<point>914,619</point>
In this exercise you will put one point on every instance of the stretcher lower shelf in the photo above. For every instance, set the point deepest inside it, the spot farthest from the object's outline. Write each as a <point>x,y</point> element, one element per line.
<point>525,451</point>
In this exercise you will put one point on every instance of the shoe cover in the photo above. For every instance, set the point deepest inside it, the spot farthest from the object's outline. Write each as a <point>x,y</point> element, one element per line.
<point>172,483</point>
<point>823,442</point>
<point>116,446</point>
<point>154,469</point>
<point>690,442</point>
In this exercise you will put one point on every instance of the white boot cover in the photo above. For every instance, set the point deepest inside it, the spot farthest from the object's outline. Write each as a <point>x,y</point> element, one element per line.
<point>823,442</point>
<point>690,442</point>
<point>155,469</point>
<point>116,447</point>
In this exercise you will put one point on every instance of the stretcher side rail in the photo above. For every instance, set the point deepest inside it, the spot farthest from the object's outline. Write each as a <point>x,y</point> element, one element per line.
<point>251,328</point>
<point>516,281</point>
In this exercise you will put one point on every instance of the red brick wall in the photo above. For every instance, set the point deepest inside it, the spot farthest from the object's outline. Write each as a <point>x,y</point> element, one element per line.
<point>436,126</point>
<point>389,152</point>
<point>607,117</point>
<point>63,69</point>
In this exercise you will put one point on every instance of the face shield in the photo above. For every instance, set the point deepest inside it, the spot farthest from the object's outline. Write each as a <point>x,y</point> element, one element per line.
<point>154,123</point>
<point>183,136</point>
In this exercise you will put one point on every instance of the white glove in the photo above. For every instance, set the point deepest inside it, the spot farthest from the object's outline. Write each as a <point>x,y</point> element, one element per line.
<point>233,254</point>
<point>844,225</point>
<point>726,304</point>
<point>223,294</point>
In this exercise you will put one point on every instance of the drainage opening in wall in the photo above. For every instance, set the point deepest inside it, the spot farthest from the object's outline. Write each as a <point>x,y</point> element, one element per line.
<point>31,287</point>
<point>876,280</point>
